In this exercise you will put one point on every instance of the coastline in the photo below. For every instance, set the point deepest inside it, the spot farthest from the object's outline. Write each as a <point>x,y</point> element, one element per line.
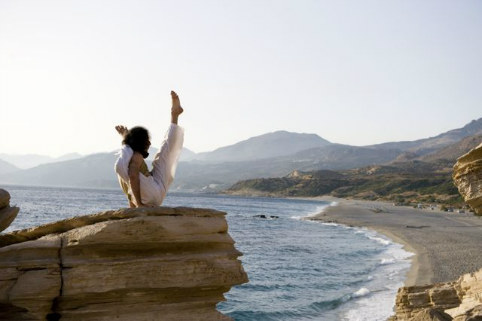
<point>446,245</point>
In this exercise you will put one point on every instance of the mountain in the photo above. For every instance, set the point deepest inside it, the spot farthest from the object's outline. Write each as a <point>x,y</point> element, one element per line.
<point>96,170</point>
<point>338,156</point>
<point>431,144</point>
<point>187,155</point>
<point>253,158</point>
<point>25,161</point>
<point>6,167</point>
<point>279,143</point>
<point>454,151</point>
<point>66,157</point>
<point>406,183</point>
<point>409,178</point>
<point>196,174</point>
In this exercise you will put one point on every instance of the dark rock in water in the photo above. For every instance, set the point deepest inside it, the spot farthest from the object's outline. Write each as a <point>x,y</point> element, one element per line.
<point>417,226</point>
<point>264,216</point>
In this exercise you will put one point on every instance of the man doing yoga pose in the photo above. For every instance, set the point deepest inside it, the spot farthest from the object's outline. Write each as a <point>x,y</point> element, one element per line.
<point>146,188</point>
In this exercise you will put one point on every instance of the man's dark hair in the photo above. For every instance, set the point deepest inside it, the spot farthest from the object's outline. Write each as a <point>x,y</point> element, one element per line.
<point>137,138</point>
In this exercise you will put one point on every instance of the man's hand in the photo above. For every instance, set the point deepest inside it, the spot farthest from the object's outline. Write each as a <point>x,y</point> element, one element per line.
<point>122,130</point>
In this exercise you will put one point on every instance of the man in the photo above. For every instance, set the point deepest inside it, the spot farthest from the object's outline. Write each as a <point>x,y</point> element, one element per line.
<point>146,188</point>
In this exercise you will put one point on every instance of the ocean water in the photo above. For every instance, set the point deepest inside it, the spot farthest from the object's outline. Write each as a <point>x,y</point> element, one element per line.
<point>298,269</point>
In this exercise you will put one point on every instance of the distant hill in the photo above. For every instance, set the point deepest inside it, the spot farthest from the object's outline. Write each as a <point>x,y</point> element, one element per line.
<point>198,175</point>
<point>187,155</point>
<point>447,154</point>
<point>431,144</point>
<point>269,145</point>
<point>25,161</point>
<point>454,151</point>
<point>403,183</point>
<point>409,178</point>
<point>338,156</point>
<point>96,170</point>
<point>6,167</point>
<point>252,158</point>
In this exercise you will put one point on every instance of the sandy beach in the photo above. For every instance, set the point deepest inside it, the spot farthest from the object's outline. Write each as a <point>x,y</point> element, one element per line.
<point>446,245</point>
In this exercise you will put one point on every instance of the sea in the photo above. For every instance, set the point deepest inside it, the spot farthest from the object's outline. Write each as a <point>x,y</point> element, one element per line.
<point>298,269</point>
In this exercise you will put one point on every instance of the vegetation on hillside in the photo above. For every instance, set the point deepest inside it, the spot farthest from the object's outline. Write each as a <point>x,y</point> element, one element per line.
<point>404,183</point>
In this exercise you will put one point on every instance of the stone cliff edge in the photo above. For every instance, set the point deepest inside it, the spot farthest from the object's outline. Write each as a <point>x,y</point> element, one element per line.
<point>460,300</point>
<point>129,264</point>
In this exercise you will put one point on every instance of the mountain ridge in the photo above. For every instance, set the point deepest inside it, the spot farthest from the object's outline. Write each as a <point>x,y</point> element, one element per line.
<point>96,170</point>
<point>263,147</point>
<point>6,167</point>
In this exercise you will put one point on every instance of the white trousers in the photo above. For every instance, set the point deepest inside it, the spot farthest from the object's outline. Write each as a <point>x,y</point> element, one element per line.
<point>154,188</point>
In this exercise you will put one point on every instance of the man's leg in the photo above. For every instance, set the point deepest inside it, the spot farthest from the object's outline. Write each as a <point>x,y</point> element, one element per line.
<point>165,161</point>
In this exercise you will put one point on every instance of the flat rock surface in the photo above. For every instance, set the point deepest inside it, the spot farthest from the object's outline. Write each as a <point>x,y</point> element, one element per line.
<point>129,264</point>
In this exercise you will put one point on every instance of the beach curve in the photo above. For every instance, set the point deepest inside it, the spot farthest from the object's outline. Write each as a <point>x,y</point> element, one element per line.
<point>446,245</point>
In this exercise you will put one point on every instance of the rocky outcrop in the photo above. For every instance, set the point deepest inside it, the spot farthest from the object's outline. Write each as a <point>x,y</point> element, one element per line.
<point>131,264</point>
<point>459,301</point>
<point>467,176</point>
<point>7,213</point>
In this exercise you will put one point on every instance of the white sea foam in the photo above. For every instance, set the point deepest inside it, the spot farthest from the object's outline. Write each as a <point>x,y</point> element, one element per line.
<point>361,292</point>
<point>387,261</point>
<point>377,307</point>
<point>318,210</point>
<point>380,240</point>
<point>330,224</point>
<point>384,284</point>
<point>372,235</point>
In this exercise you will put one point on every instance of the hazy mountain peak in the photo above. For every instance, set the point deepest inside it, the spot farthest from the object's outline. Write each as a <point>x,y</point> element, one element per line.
<point>25,161</point>
<point>6,167</point>
<point>274,144</point>
<point>431,144</point>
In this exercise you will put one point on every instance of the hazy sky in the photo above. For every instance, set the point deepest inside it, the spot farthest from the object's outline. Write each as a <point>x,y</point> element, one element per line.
<point>354,72</point>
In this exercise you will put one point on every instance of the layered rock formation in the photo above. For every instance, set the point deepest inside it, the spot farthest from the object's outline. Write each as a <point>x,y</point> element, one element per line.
<point>7,213</point>
<point>131,264</point>
<point>468,178</point>
<point>460,300</point>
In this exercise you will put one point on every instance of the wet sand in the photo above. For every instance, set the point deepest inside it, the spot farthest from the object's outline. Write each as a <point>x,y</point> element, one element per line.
<point>446,245</point>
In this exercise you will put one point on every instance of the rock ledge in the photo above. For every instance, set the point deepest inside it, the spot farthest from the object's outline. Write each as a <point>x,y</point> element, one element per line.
<point>130,264</point>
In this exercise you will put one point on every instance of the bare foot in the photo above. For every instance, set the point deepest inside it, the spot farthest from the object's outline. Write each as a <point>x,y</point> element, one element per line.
<point>122,130</point>
<point>176,109</point>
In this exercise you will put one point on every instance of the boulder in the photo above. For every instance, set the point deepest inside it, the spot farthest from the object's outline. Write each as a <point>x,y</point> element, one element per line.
<point>432,315</point>
<point>131,264</point>
<point>7,213</point>
<point>460,300</point>
<point>474,314</point>
<point>467,177</point>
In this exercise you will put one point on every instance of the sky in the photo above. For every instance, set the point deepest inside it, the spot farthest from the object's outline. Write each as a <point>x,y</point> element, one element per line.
<point>353,72</point>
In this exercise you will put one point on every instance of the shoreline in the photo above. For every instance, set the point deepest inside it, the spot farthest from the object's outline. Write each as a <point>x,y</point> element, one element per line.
<point>446,245</point>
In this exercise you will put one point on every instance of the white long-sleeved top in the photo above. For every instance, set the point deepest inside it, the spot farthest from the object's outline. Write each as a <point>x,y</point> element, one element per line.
<point>154,188</point>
